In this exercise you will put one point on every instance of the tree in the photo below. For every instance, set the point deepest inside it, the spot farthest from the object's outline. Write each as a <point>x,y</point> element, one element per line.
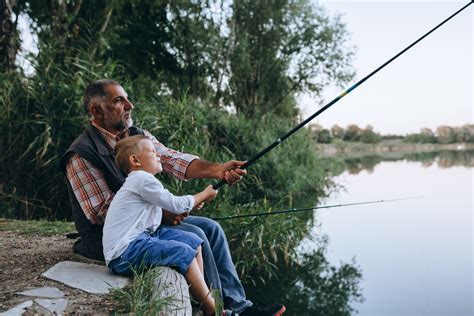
<point>282,48</point>
<point>8,36</point>
<point>367,135</point>
<point>352,133</point>
<point>337,131</point>
<point>445,134</point>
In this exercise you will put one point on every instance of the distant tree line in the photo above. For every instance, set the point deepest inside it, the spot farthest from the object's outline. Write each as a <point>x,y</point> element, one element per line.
<point>443,135</point>
<point>353,133</point>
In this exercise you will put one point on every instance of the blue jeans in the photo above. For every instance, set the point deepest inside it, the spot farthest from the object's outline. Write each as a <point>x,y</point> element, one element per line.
<point>164,247</point>
<point>219,269</point>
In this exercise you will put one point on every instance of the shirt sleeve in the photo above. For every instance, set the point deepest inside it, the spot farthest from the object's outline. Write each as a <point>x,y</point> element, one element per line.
<point>152,191</point>
<point>90,188</point>
<point>174,162</point>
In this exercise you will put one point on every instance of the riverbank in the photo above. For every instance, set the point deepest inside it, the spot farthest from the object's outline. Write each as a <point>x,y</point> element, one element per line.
<point>396,146</point>
<point>29,248</point>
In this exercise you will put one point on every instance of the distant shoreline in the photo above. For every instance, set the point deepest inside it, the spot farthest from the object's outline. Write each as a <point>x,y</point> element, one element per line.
<point>386,147</point>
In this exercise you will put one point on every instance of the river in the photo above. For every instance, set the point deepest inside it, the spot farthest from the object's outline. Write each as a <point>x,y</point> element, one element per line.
<point>411,257</point>
<point>416,256</point>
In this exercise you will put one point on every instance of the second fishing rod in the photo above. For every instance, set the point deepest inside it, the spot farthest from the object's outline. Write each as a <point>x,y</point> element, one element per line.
<point>282,138</point>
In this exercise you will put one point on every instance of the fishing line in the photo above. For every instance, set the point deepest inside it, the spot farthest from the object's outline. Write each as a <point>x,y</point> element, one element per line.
<point>295,210</point>
<point>281,139</point>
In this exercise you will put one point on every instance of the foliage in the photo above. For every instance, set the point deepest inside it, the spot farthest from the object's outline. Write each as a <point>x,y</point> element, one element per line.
<point>138,298</point>
<point>353,133</point>
<point>179,82</point>
<point>337,132</point>
<point>367,135</point>
<point>36,228</point>
<point>282,48</point>
<point>313,286</point>
<point>250,55</point>
<point>444,135</point>
<point>40,116</point>
<point>9,39</point>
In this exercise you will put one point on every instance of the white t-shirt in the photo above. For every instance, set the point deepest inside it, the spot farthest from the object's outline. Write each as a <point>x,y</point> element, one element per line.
<point>135,208</point>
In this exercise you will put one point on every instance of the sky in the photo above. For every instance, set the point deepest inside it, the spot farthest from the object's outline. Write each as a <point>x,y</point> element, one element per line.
<point>428,86</point>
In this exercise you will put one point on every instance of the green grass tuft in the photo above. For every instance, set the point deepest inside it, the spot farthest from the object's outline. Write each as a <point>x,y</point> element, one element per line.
<point>37,227</point>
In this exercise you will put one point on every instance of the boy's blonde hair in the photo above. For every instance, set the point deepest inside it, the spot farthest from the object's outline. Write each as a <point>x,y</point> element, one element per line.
<point>126,147</point>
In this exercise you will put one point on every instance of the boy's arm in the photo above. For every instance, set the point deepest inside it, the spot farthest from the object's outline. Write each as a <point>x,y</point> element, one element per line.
<point>206,195</point>
<point>152,191</point>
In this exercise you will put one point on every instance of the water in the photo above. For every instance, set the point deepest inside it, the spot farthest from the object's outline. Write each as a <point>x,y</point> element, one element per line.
<point>416,256</point>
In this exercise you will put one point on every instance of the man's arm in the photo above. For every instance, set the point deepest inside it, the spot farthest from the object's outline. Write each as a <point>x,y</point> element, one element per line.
<point>186,166</point>
<point>228,171</point>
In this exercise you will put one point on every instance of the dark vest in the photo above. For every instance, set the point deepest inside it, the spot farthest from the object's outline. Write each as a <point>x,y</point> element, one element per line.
<point>92,147</point>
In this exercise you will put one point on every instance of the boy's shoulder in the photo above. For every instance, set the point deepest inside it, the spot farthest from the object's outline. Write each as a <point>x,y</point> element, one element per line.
<point>140,176</point>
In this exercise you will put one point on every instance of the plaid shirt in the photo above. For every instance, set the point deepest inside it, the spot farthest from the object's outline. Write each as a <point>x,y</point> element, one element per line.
<point>91,189</point>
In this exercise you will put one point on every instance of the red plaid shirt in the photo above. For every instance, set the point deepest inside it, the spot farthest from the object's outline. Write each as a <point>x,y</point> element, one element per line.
<point>91,189</point>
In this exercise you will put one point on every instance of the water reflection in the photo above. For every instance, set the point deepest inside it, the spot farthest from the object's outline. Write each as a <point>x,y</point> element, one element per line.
<point>442,159</point>
<point>399,268</point>
<point>312,286</point>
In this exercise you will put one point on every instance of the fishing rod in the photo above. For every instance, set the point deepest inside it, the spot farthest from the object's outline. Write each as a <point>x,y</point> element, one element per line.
<point>281,139</point>
<point>295,210</point>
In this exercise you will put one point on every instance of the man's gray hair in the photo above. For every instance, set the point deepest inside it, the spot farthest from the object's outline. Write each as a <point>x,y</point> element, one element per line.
<point>95,90</point>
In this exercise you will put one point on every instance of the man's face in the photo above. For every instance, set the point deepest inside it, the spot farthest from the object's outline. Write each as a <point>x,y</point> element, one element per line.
<point>116,110</point>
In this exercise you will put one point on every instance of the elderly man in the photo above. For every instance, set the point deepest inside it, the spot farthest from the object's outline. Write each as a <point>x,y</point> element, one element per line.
<point>94,178</point>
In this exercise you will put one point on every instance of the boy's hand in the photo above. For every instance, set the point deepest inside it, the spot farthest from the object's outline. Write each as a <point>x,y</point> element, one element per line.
<point>210,193</point>
<point>172,219</point>
<point>199,206</point>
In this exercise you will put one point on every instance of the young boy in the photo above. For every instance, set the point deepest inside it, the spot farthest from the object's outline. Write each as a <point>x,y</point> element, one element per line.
<point>132,236</point>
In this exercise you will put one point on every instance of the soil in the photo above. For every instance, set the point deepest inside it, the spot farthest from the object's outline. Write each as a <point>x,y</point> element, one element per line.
<point>22,261</point>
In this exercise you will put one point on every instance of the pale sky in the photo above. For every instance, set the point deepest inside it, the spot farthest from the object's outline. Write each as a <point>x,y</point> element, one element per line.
<point>428,86</point>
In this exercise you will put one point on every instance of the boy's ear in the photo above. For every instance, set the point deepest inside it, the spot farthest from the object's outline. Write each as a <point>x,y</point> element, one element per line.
<point>134,161</point>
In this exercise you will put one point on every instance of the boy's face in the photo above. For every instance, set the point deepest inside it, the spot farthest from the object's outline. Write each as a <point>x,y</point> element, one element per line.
<point>149,158</point>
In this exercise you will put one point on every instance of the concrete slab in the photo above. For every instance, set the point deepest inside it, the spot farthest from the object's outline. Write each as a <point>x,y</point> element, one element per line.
<point>17,310</point>
<point>49,292</point>
<point>91,278</point>
<point>56,306</point>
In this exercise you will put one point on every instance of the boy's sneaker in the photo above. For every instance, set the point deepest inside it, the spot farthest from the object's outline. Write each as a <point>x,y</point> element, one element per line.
<point>264,310</point>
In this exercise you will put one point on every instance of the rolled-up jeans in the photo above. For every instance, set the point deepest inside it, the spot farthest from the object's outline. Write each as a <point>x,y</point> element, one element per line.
<point>219,270</point>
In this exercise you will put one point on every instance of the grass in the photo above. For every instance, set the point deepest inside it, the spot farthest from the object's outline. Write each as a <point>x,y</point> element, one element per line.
<point>142,298</point>
<point>36,227</point>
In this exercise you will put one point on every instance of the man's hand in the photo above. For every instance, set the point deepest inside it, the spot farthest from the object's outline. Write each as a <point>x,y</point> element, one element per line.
<point>231,172</point>
<point>172,219</point>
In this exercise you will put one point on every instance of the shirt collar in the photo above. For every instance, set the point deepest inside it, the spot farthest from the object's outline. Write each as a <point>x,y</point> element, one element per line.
<point>110,139</point>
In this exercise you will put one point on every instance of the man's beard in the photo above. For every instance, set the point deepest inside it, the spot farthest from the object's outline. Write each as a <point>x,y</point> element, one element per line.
<point>125,124</point>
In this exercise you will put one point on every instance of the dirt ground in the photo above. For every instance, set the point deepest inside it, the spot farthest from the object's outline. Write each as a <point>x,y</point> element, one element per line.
<point>22,261</point>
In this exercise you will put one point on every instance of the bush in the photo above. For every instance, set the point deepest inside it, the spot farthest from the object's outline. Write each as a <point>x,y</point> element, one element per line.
<point>39,118</point>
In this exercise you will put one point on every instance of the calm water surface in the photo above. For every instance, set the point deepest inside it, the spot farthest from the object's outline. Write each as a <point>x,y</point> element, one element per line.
<point>416,256</point>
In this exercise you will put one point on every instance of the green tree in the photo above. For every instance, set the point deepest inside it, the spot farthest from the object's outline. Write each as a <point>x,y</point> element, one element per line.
<point>352,133</point>
<point>337,132</point>
<point>279,49</point>
<point>367,135</point>
<point>445,134</point>
<point>8,36</point>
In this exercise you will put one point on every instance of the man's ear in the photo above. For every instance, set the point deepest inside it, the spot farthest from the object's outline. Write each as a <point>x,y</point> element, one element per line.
<point>134,161</point>
<point>96,110</point>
